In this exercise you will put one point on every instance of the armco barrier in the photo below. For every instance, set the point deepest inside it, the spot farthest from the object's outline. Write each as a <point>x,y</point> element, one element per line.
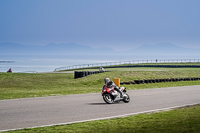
<point>147,81</point>
<point>134,63</point>
<point>158,66</point>
<point>80,74</point>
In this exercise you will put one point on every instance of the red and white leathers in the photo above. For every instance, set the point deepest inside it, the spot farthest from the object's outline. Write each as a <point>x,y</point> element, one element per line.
<point>111,84</point>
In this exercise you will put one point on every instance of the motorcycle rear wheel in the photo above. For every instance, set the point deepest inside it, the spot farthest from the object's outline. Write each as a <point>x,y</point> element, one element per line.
<point>107,98</point>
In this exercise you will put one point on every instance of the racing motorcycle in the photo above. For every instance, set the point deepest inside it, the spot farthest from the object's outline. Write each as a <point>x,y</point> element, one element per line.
<point>110,95</point>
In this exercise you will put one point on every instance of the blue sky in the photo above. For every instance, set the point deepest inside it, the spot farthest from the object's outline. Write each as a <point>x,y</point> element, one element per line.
<point>119,24</point>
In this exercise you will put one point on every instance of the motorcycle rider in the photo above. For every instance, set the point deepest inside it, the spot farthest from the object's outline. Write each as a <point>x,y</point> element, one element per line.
<point>110,84</point>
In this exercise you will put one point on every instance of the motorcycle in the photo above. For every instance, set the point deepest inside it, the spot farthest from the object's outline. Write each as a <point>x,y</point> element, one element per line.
<point>110,95</point>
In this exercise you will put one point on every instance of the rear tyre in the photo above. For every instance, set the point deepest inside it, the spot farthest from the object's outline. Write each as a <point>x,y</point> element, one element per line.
<point>126,99</point>
<point>107,98</point>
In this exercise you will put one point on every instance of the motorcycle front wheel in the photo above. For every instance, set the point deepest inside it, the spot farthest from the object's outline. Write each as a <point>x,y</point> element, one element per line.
<point>127,99</point>
<point>107,98</point>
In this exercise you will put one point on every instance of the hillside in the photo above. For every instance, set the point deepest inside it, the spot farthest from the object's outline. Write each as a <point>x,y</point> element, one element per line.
<point>77,49</point>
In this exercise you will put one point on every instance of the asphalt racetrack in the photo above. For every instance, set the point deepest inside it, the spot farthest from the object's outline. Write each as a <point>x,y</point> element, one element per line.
<point>55,110</point>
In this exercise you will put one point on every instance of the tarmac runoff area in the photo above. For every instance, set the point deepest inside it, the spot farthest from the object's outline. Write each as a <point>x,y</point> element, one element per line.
<point>57,110</point>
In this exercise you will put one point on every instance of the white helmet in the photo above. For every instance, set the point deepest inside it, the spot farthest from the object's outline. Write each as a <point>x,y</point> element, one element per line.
<point>106,80</point>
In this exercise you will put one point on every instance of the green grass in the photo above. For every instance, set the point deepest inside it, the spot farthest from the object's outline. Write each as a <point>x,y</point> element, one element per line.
<point>25,85</point>
<point>185,120</point>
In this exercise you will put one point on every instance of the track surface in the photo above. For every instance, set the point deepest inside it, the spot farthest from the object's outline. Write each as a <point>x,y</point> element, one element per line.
<point>33,112</point>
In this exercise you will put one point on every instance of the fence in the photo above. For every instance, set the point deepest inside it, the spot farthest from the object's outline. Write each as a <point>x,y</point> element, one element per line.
<point>127,62</point>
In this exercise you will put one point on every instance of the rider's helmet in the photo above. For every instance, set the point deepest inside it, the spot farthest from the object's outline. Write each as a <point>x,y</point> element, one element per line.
<point>106,80</point>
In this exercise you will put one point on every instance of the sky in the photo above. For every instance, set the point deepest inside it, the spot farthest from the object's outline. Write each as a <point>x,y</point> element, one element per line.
<point>118,24</point>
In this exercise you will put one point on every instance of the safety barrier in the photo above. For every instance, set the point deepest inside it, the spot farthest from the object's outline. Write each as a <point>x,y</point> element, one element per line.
<point>107,64</point>
<point>80,74</point>
<point>165,66</point>
<point>147,81</point>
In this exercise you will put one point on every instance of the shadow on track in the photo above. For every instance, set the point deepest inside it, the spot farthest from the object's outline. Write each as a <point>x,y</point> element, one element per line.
<point>104,103</point>
<point>97,104</point>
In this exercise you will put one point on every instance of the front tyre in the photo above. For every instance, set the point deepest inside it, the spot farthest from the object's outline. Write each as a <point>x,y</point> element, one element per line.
<point>126,99</point>
<point>107,98</point>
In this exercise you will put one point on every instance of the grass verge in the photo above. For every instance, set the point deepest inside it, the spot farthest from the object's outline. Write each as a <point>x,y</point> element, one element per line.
<point>184,120</point>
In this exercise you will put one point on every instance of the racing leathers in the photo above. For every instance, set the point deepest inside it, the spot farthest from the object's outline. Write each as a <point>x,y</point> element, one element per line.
<point>111,84</point>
